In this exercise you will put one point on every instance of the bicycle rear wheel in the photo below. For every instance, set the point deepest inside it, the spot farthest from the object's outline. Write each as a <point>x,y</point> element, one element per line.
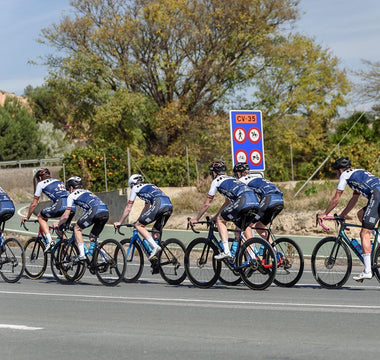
<point>35,258</point>
<point>135,260</point>
<point>171,261</point>
<point>331,263</point>
<point>110,262</point>
<point>258,266</point>
<point>64,269</point>
<point>201,267</point>
<point>290,262</point>
<point>376,264</point>
<point>12,260</point>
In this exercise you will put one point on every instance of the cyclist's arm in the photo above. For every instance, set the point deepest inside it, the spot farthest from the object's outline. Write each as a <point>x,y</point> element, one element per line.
<point>351,204</point>
<point>32,207</point>
<point>65,216</point>
<point>333,202</point>
<point>126,212</point>
<point>203,209</point>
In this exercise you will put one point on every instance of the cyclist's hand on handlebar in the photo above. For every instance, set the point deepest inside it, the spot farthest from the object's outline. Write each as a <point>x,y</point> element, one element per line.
<point>116,224</point>
<point>23,219</point>
<point>192,221</point>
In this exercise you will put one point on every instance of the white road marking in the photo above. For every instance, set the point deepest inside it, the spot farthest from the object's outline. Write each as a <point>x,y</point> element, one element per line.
<point>19,327</point>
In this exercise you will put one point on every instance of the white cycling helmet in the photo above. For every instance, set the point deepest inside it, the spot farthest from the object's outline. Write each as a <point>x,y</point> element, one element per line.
<point>134,179</point>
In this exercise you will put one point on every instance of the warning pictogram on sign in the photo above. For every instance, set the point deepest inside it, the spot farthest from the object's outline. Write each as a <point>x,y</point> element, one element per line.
<point>240,135</point>
<point>241,156</point>
<point>256,157</point>
<point>254,135</point>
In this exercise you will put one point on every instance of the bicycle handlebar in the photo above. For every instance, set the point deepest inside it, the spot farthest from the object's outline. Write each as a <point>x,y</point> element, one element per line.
<point>336,218</point>
<point>117,228</point>
<point>23,223</point>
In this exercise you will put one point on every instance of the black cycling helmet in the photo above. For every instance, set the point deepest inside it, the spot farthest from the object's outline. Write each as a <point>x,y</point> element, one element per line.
<point>341,163</point>
<point>43,172</point>
<point>75,182</point>
<point>218,166</point>
<point>241,167</point>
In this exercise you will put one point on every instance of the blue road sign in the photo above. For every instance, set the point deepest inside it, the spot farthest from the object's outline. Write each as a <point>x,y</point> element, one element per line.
<point>247,142</point>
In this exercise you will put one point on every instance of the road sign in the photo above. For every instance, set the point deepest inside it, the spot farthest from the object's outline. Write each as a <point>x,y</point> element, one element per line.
<point>247,141</point>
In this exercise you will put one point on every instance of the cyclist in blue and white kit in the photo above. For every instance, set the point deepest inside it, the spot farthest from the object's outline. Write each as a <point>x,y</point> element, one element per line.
<point>95,213</point>
<point>240,200</point>
<point>7,208</point>
<point>55,190</point>
<point>158,208</point>
<point>366,184</point>
<point>270,196</point>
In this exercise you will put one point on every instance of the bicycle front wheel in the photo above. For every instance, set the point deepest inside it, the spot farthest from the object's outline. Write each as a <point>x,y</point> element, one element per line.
<point>201,267</point>
<point>110,262</point>
<point>376,263</point>
<point>257,262</point>
<point>135,260</point>
<point>12,260</point>
<point>331,263</point>
<point>290,262</point>
<point>35,258</point>
<point>171,261</point>
<point>65,270</point>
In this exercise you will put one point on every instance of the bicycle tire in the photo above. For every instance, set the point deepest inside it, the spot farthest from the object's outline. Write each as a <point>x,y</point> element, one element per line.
<point>201,267</point>
<point>327,271</point>
<point>135,260</point>
<point>228,276</point>
<point>64,269</point>
<point>258,271</point>
<point>110,262</point>
<point>290,262</point>
<point>376,263</point>
<point>35,258</point>
<point>12,260</point>
<point>171,261</point>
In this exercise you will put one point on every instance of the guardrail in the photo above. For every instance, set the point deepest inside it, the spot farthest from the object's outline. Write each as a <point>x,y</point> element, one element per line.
<point>19,163</point>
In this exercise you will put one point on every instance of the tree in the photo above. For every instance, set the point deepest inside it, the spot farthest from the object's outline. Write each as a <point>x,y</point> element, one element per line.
<point>184,55</point>
<point>369,89</point>
<point>19,138</point>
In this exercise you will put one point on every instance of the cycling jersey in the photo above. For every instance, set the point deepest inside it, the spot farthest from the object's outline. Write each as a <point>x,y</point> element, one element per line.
<point>262,187</point>
<point>148,193</point>
<point>54,189</point>
<point>86,200</point>
<point>359,180</point>
<point>230,187</point>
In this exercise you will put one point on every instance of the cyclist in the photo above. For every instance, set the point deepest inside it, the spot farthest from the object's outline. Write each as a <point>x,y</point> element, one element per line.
<point>95,213</point>
<point>368,185</point>
<point>7,208</point>
<point>270,196</point>
<point>158,208</point>
<point>240,199</point>
<point>55,190</point>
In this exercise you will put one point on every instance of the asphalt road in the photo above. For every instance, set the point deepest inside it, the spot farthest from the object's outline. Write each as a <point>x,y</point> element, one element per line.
<point>152,320</point>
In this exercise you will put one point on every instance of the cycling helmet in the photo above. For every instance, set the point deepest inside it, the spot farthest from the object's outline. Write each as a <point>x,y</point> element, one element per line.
<point>241,167</point>
<point>341,163</point>
<point>218,166</point>
<point>43,172</point>
<point>75,182</point>
<point>134,179</point>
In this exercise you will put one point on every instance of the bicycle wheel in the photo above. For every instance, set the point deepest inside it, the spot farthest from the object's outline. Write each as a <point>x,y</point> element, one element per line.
<point>258,266</point>
<point>331,263</point>
<point>290,262</point>
<point>64,269</point>
<point>12,260</point>
<point>110,262</point>
<point>171,261</point>
<point>135,260</point>
<point>201,267</point>
<point>228,276</point>
<point>35,258</point>
<point>376,263</point>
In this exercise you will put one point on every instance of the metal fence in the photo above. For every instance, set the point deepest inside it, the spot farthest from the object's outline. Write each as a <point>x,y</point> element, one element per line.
<point>19,163</point>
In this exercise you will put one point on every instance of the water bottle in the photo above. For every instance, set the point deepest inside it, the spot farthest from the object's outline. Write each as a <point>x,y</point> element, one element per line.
<point>234,247</point>
<point>85,248</point>
<point>261,250</point>
<point>147,246</point>
<point>356,245</point>
<point>92,248</point>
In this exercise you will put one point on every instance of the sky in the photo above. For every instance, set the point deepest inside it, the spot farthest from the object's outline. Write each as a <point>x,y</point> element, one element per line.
<point>349,28</point>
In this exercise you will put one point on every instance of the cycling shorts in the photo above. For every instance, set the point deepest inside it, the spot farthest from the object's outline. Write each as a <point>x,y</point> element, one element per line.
<point>7,210</point>
<point>160,212</point>
<point>55,210</point>
<point>270,207</point>
<point>99,219</point>
<point>372,210</point>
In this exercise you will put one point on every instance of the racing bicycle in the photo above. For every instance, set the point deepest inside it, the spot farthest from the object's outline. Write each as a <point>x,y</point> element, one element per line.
<point>331,260</point>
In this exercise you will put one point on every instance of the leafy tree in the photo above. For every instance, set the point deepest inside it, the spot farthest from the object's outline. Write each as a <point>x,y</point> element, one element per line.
<point>369,89</point>
<point>19,137</point>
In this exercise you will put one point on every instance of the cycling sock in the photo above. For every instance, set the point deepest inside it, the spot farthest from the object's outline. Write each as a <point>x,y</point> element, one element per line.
<point>151,242</point>
<point>81,249</point>
<point>367,262</point>
<point>48,238</point>
<point>226,247</point>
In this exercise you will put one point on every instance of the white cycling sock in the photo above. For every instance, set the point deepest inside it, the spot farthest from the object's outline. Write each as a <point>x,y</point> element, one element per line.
<point>152,242</point>
<point>226,247</point>
<point>367,262</point>
<point>48,238</point>
<point>81,249</point>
